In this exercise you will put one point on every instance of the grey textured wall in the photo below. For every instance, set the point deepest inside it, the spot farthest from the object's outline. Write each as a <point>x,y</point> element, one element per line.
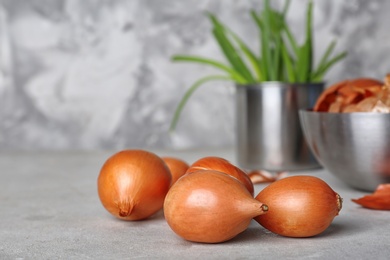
<point>96,74</point>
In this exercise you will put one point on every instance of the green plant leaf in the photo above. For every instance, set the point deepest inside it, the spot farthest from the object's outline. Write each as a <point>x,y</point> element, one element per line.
<point>289,65</point>
<point>273,45</point>
<point>229,50</point>
<point>276,55</point>
<point>188,94</point>
<point>251,57</point>
<point>280,56</point>
<point>285,8</point>
<point>305,52</point>
<point>303,64</point>
<point>266,37</point>
<point>325,64</point>
<point>262,62</point>
<point>196,59</point>
<point>271,25</point>
<point>327,53</point>
<point>318,75</point>
<point>254,61</point>
<point>291,39</point>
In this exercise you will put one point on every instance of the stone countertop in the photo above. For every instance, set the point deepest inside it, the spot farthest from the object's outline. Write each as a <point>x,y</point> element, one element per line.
<point>49,209</point>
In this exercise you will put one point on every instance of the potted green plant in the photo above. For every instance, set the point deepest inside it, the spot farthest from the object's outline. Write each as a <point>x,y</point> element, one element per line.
<point>271,87</point>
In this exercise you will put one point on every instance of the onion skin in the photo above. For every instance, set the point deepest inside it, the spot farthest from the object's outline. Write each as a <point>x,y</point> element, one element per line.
<point>222,165</point>
<point>379,200</point>
<point>299,206</point>
<point>262,176</point>
<point>210,207</point>
<point>132,184</point>
<point>177,167</point>
<point>344,93</point>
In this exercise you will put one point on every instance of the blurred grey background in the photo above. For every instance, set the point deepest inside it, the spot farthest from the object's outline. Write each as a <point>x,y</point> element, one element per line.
<point>96,74</point>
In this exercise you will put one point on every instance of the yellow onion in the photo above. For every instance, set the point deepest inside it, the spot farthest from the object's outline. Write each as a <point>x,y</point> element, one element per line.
<point>177,167</point>
<point>210,207</point>
<point>299,206</point>
<point>132,184</point>
<point>222,165</point>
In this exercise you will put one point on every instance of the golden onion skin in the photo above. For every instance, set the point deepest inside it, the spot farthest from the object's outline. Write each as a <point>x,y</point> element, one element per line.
<point>222,165</point>
<point>210,207</point>
<point>132,184</point>
<point>299,206</point>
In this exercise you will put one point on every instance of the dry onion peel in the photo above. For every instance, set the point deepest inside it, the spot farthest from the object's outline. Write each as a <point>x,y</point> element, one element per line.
<point>262,176</point>
<point>132,184</point>
<point>379,200</point>
<point>299,206</point>
<point>345,95</point>
<point>210,207</point>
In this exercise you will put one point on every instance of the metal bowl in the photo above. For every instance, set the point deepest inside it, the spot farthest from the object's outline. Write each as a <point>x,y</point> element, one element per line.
<point>355,147</point>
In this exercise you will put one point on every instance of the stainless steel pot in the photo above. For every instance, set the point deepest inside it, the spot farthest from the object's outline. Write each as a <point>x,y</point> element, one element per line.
<point>268,131</point>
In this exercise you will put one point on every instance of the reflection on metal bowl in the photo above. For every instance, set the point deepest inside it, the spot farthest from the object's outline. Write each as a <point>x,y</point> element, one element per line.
<point>355,147</point>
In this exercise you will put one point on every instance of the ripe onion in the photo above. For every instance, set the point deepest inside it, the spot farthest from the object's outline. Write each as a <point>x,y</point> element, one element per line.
<point>222,165</point>
<point>299,206</point>
<point>132,184</point>
<point>177,167</point>
<point>210,207</point>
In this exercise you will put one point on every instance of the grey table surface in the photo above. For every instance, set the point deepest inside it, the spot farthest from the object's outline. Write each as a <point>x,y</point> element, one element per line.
<point>49,209</point>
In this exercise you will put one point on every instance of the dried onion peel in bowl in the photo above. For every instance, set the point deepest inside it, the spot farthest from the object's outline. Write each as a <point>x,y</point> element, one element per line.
<point>347,96</point>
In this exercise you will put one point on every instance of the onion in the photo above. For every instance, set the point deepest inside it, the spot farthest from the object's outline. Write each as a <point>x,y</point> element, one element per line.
<point>132,184</point>
<point>210,207</point>
<point>222,165</point>
<point>177,167</point>
<point>299,206</point>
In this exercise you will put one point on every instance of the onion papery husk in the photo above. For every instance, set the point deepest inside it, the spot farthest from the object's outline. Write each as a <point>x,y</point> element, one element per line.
<point>263,176</point>
<point>379,200</point>
<point>343,96</point>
